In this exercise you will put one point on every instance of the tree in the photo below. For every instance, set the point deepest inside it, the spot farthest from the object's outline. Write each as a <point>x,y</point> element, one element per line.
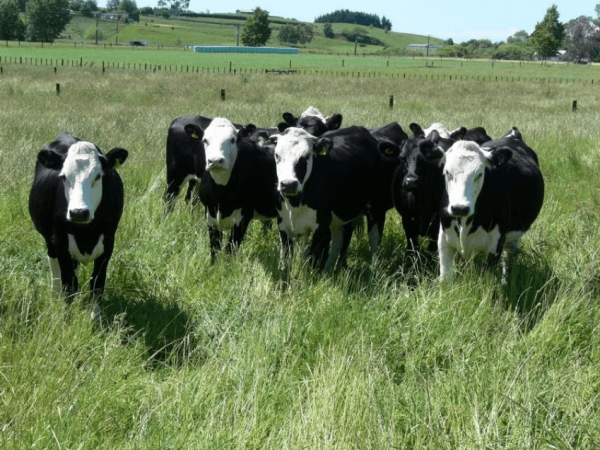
<point>256,32</point>
<point>549,34</point>
<point>129,6</point>
<point>175,7</point>
<point>582,38</point>
<point>112,5</point>
<point>88,8</point>
<point>11,25</point>
<point>46,19</point>
<point>519,36</point>
<point>295,34</point>
<point>449,41</point>
<point>328,30</point>
<point>386,23</point>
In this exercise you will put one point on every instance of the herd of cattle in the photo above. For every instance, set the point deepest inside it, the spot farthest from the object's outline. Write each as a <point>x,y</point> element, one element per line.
<point>462,190</point>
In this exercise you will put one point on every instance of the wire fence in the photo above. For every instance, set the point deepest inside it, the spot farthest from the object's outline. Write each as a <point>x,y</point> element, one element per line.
<point>180,68</point>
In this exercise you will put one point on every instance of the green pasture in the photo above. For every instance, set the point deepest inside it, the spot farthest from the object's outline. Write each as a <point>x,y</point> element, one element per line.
<point>240,355</point>
<point>182,31</point>
<point>340,65</point>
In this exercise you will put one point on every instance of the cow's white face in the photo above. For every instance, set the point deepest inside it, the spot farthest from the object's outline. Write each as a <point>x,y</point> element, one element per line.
<point>294,160</point>
<point>464,172</point>
<point>82,178</point>
<point>440,128</point>
<point>314,112</point>
<point>221,150</point>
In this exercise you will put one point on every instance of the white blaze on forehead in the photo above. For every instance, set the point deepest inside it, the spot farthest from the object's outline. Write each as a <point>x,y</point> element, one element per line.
<point>292,145</point>
<point>440,128</point>
<point>464,168</point>
<point>220,147</point>
<point>82,172</point>
<point>312,111</point>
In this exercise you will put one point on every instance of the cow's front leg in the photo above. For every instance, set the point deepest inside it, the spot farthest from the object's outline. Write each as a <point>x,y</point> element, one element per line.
<point>446,252</point>
<point>239,231</point>
<point>319,248</point>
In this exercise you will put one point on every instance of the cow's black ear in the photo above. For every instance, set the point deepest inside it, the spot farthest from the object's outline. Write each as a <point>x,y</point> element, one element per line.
<point>116,157</point>
<point>322,146</point>
<point>194,131</point>
<point>289,119</point>
<point>246,132</point>
<point>283,126</point>
<point>334,122</point>
<point>514,133</point>
<point>434,137</point>
<point>500,156</point>
<point>458,134</point>
<point>430,150</point>
<point>416,129</point>
<point>388,148</point>
<point>50,159</point>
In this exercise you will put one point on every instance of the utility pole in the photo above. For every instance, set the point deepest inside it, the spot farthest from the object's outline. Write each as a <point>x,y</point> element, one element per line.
<point>237,35</point>
<point>117,36</point>
<point>97,20</point>
<point>428,45</point>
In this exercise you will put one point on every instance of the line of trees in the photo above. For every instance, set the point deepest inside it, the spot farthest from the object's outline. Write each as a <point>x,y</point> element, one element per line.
<point>358,18</point>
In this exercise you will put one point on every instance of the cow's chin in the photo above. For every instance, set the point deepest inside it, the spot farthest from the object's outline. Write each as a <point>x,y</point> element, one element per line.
<point>79,221</point>
<point>290,194</point>
<point>217,168</point>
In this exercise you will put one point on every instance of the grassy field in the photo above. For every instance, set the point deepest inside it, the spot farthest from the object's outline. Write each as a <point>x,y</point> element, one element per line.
<point>181,60</point>
<point>181,31</point>
<point>239,355</point>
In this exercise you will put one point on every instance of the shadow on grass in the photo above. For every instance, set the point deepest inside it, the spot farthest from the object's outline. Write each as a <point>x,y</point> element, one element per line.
<point>167,330</point>
<point>531,289</point>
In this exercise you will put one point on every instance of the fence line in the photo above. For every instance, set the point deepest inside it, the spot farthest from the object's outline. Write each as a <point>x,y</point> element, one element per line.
<point>406,74</point>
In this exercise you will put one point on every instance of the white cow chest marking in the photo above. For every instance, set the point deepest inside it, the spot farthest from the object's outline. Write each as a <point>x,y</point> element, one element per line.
<point>467,243</point>
<point>225,223</point>
<point>85,258</point>
<point>298,221</point>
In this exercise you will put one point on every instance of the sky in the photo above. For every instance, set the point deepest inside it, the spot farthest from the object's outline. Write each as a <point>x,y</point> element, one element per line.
<point>460,20</point>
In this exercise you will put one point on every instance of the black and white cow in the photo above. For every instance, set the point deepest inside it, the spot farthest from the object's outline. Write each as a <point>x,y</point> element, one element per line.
<point>477,134</point>
<point>492,196</point>
<point>326,184</point>
<point>76,202</point>
<point>238,184</point>
<point>186,160</point>
<point>417,188</point>
<point>312,121</point>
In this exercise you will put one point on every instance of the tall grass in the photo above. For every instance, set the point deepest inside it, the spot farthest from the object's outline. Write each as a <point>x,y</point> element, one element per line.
<point>240,355</point>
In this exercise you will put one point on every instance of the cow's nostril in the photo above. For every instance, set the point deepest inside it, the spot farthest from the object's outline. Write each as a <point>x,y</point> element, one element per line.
<point>79,215</point>
<point>460,210</point>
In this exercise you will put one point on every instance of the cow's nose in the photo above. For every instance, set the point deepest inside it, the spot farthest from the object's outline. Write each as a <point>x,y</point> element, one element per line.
<point>288,187</point>
<point>410,181</point>
<point>460,210</point>
<point>216,162</point>
<point>79,215</point>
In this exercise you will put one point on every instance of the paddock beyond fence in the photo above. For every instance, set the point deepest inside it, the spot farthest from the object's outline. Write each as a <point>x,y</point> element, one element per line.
<point>405,73</point>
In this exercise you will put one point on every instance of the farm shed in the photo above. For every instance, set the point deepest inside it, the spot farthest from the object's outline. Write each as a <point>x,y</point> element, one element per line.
<point>235,49</point>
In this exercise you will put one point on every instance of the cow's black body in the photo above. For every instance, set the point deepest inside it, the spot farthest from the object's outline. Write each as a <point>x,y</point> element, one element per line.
<point>342,183</point>
<point>251,189</point>
<point>48,210</point>
<point>512,194</point>
<point>417,189</point>
<point>185,153</point>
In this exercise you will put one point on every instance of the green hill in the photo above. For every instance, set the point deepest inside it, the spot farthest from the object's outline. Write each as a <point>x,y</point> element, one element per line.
<point>181,31</point>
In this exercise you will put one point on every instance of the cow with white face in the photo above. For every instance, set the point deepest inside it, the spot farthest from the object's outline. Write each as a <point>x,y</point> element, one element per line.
<point>312,121</point>
<point>186,160</point>
<point>492,196</point>
<point>76,202</point>
<point>238,184</point>
<point>326,185</point>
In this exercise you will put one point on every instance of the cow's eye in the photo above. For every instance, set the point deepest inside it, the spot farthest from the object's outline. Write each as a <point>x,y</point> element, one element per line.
<point>277,157</point>
<point>232,140</point>
<point>98,177</point>
<point>204,141</point>
<point>478,178</point>
<point>448,176</point>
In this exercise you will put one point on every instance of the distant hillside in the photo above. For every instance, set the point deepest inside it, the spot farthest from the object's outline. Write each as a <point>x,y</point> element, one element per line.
<point>221,29</point>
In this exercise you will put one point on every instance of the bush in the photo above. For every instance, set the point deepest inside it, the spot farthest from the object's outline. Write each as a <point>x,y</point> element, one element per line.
<point>90,34</point>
